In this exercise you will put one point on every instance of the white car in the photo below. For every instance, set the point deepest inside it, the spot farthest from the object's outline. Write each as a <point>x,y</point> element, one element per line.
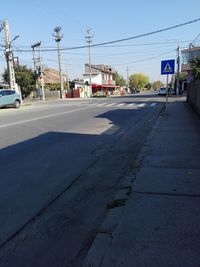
<point>9,97</point>
<point>162,91</point>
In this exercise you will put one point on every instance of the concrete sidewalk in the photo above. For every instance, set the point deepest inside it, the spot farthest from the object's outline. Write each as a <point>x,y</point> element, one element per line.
<point>160,223</point>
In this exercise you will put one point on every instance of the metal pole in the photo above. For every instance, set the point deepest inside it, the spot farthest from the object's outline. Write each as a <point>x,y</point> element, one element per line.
<point>41,75</point>
<point>167,90</point>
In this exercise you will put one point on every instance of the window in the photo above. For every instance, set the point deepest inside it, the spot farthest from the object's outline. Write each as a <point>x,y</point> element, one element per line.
<point>2,93</point>
<point>9,92</point>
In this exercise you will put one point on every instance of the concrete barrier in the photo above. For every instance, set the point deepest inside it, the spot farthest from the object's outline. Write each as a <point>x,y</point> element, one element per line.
<point>193,95</point>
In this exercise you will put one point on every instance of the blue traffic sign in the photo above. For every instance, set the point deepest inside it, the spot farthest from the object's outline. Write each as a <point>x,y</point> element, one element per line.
<point>167,66</point>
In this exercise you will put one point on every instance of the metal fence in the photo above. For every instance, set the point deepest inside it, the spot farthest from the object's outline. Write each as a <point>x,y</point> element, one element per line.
<point>193,95</point>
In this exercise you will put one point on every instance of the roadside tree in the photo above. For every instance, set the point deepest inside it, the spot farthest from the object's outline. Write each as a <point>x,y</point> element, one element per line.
<point>138,81</point>
<point>120,81</point>
<point>157,84</point>
<point>25,78</point>
<point>148,86</point>
<point>195,64</point>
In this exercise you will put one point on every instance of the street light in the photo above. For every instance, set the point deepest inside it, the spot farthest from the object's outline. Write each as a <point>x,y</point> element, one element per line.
<point>15,37</point>
<point>58,38</point>
<point>40,73</point>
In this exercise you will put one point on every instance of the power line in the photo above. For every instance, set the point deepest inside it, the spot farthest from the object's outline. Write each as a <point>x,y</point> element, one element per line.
<point>196,38</point>
<point>120,40</point>
<point>150,33</point>
<point>146,44</point>
<point>145,59</point>
<point>127,45</point>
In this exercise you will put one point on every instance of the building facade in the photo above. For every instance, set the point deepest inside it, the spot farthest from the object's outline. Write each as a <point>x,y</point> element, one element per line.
<point>186,56</point>
<point>101,79</point>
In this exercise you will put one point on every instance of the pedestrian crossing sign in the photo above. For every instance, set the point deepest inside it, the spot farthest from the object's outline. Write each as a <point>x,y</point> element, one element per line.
<point>167,66</point>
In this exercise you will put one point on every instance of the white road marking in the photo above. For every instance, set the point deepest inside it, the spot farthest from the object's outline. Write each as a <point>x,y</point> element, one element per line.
<point>142,105</point>
<point>112,104</point>
<point>100,105</point>
<point>122,104</point>
<point>153,104</point>
<point>132,104</point>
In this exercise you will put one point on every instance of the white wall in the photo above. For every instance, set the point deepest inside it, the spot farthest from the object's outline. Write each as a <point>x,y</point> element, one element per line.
<point>96,78</point>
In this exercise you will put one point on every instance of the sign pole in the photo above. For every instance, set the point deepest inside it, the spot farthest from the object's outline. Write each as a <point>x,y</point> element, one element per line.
<point>167,89</point>
<point>167,67</point>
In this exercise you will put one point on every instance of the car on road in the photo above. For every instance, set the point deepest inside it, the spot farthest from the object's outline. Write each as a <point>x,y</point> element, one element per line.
<point>9,97</point>
<point>162,91</point>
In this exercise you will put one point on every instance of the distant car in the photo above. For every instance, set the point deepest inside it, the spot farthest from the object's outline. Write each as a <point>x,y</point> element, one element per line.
<point>162,91</point>
<point>9,97</point>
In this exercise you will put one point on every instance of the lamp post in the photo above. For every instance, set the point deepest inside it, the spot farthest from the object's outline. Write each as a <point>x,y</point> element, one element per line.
<point>40,73</point>
<point>58,38</point>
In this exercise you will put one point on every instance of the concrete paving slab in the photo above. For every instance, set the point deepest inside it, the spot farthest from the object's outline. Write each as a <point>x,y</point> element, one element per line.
<point>183,161</point>
<point>157,231</point>
<point>97,251</point>
<point>175,142</point>
<point>168,181</point>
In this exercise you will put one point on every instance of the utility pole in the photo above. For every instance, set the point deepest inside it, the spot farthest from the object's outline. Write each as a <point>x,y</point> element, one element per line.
<point>41,74</point>
<point>38,68</point>
<point>58,38</point>
<point>178,70</point>
<point>127,70</point>
<point>67,76</point>
<point>89,41</point>
<point>34,61</point>
<point>9,56</point>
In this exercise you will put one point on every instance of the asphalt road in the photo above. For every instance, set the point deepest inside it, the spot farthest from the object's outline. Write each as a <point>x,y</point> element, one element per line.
<point>62,162</point>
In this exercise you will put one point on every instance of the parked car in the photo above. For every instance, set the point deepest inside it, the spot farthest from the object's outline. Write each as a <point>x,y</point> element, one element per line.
<point>9,97</point>
<point>162,91</point>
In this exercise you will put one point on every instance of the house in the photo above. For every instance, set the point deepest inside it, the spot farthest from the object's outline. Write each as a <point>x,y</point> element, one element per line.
<point>51,82</point>
<point>52,76</point>
<point>101,79</point>
<point>186,56</point>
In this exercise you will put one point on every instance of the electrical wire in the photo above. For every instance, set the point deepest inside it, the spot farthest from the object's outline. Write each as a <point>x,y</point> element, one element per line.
<point>195,38</point>
<point>146,59</point>
<point>119,40</point>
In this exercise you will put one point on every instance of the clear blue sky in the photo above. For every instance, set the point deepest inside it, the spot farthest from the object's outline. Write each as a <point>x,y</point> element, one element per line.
<point>109,20</point>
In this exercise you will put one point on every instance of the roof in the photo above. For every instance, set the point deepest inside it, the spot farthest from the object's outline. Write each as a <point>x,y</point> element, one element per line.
<point>191,49</point>
<point>101,68</point>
